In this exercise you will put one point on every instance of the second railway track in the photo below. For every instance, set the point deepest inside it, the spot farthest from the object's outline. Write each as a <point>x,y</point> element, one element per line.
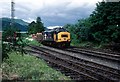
<point>85,68</point>
<point>113,57</point>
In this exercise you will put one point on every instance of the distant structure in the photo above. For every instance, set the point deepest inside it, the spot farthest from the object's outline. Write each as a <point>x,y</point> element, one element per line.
<point>12,12</point>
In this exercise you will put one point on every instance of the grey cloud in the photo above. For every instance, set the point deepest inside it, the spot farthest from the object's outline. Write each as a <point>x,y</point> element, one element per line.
<point>61,16</point>
<point>57,14</point>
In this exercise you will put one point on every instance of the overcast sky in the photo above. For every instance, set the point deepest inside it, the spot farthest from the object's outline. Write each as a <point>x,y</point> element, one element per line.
<point>52,12</point>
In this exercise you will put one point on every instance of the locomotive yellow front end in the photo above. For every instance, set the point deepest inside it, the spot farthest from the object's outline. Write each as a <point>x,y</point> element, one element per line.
<point>62,39</point>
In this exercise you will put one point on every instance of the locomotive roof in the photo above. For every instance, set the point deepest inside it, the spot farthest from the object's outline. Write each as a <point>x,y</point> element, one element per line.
<point>56,30</point>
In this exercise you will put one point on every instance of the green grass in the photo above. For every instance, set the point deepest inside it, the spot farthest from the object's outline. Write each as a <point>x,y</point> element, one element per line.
<point>29,68</point>
<point>31,42</point>
<point>83,44</point>
<point>88,44</point>
<point>34,42</point>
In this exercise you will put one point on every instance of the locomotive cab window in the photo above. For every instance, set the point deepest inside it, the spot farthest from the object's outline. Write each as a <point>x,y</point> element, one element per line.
<point>64,35</point>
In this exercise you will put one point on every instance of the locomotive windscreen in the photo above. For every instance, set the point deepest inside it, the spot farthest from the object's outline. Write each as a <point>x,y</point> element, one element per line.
<point>56,30</point>
<point>60,30</point>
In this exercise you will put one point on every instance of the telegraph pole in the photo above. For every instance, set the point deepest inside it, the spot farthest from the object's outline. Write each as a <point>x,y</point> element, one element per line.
<point>12,12</point>
<point>12,20</point>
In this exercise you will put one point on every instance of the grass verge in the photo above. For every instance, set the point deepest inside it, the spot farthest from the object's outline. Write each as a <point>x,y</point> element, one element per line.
<point>87,44</point>
<point>27,67</point>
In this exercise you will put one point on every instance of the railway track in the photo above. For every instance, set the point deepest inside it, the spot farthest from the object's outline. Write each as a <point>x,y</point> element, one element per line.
<point>88,69</point>
<point>106,56</point>
<point>97,51</point>
<point>63,66</point>
<point>100,59</point>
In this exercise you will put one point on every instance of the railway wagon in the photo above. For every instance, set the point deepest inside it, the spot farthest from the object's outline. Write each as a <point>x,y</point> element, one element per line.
<point>58,37</point>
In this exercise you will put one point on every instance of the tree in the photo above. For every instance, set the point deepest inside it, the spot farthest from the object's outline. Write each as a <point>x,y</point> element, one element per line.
<point>80,31</point>
<point>35,27</point>
<point>39,25</point>
<point>32,28</point>
<point>104,18</point>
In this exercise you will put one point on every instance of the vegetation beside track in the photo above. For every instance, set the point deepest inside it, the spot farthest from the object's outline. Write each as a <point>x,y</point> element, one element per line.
<point>31,41</point>
<point>90,45</point>
<point>103,47</point>
<point>25,67</point>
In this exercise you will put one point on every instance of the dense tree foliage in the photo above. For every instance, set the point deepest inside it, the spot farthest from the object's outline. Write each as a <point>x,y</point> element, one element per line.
<point>102,26</point>
<point>105,22</point>
<point>80,31</point>
<point>12,39</point>
<point>35,27</point>
<point>8,39</point>
<point>9,33</point>
<point>32,27</point>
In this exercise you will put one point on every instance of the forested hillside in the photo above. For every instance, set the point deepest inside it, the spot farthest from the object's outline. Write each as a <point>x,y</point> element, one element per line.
<point>20,24</point>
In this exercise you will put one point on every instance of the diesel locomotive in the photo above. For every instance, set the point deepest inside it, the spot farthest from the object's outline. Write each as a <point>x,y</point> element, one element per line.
<point>59,37</point>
